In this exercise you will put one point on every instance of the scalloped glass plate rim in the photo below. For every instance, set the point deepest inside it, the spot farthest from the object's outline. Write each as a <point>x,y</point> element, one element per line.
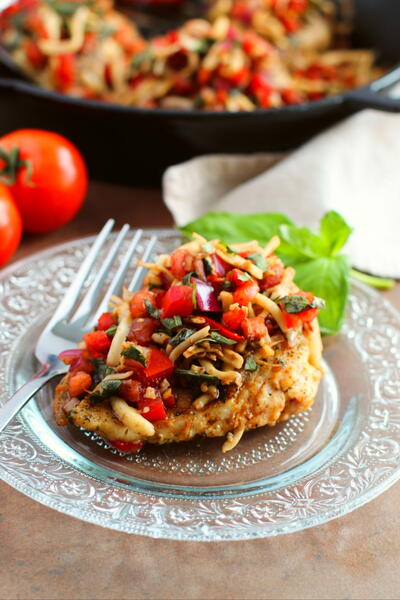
<point>204,532</point>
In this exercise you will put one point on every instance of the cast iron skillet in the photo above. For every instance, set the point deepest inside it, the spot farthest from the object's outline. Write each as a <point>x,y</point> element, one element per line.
<point>133,145</point>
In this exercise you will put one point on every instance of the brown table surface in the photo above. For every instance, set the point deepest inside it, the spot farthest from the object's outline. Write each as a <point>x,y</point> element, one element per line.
<point>46,555</point>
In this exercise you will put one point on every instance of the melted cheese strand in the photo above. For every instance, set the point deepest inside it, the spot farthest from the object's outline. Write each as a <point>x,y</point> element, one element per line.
<point>195,337</point>
<point>132,418</point>
<point>232,439</point>
<point>272,308</point>
<point>124,325</point>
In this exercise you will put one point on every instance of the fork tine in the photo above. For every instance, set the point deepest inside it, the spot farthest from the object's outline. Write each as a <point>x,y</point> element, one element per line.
<point>140,270</point>
<point>72,294</point>
<point>85,309</point>
<point>118,278</point>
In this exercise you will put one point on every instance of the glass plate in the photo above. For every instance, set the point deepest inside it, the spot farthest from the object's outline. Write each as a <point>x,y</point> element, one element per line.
<point>321,464</point>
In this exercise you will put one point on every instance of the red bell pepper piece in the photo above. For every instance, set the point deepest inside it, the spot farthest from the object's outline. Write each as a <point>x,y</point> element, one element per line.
<point>65,71</point>
<point>152,409</point>
<point>159,365</point>
<point>223,330</point>
<point>178,301</point>
<point>233,318</point>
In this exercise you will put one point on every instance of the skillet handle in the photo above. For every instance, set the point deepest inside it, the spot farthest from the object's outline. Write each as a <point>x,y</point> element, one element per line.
<point>366,98</point>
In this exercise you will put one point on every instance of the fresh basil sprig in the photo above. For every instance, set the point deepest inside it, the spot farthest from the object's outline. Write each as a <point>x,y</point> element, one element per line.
<point>181,336</point>
<point>105,389</point>
<point>296,303</point>
<point>135,354</point>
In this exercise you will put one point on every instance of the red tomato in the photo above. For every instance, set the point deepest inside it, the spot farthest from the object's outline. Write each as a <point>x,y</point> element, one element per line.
<point>235,275</point>
<point>181,263</point>
<point>34,54</point>
<point>78,383</point>
<point>141,330</point>
<point>51,178</point>
<point>97,342</point>
<point>159,365</point>
<point>246,292</point>
<point>273,276</point>
<point>126,446</point>
<point>10,226</point>
<point>233,318</point>
<point>254,328</point>
<point>137,305</point>
<point>64,72</point>
<point>105,321</point>
<point>178,301</point>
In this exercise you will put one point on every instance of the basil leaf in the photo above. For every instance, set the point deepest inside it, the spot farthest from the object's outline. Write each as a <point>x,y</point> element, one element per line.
<point>207,266</point>
<point>299,244</point>
<point>234,228</point>
<point>185,372</point>
<point>65,9</point>
<point>327,277</point>
<point>100,369</point>
<point>187,278</point>
<point>259,261</point>
<point>172,322</point>
<point>111,330</point>
<point>106,389</point>
<point>135,354</point>
<point>221,339</point>
<point>151,310</point>
<point>250,364</point>
<point>181,336</point>
<point>294,303</point>
<point>334,232</point>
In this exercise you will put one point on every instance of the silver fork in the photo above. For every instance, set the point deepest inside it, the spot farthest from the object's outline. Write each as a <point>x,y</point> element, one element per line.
<point>66,327</point>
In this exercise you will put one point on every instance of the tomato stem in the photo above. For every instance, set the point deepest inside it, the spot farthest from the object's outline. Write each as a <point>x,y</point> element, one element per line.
<point>12,166</point>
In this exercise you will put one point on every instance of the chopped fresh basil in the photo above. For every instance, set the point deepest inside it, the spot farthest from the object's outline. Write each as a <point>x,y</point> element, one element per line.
<point>296,303</point>
<point>171,323</point>
<point>106,389</point>
<point>135,354</point>
<point>100,369</point>
<point>244,276</point>
<point>151,310</point>
<point>208,247</point>
<point>221,339</point>
<point>259,261</point>
<point>140,58</point>
<point>181,336</point>
<point>250,364</point>
<point>185,372</point>
<point>188,277</point>
<point>207,266</point>
<point>111,330</point>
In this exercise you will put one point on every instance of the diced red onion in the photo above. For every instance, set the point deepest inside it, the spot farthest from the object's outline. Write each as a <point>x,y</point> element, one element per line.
<point>70,356</point>
<point>219,265</point>
<point>207,299</point>
<point>71,404</point>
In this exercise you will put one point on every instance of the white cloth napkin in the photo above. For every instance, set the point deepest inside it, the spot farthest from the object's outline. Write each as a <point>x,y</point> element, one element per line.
<point>353,168</point>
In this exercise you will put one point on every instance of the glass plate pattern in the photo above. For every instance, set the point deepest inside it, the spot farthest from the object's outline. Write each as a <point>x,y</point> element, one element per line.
<point>319,465</point>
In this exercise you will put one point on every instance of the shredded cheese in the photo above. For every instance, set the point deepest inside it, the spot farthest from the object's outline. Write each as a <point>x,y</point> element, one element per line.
<point>124,325</point>
<point>232,439</point>
<point>225,376</point>
<point>132,418</point>
<point>54,46</point>
<point>195,337</point>
<point>272,308</point>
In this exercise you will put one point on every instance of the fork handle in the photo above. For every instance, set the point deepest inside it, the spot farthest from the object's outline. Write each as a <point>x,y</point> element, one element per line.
<point>47,372</point>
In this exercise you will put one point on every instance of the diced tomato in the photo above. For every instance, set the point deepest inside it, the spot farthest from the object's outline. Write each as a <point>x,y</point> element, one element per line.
<point>159,365</point>
<point>137,305</point>
<point>78,383</point>
<point>242,11</point>
<point>105,321</point>
<point>34,54</point>
<point>127,446</point>
<point>259,85</point>
<point>169,400</point>
<point>305,316</point>
<point>291,97</point>
<point>65,71</point>
<point>203,76</point>
<point>254,328</point>
<point>298,6</point>
<point>131,391</point>
<point>178,301</point>
<point>97,342</point>
<point>181,263</point>
<point>142,329</point>
<point>290,23</point>
<point>246,292</point>
<point>233,318</point>
<point>235,275</point>
<point>273,276</point>
<point>152,409</point>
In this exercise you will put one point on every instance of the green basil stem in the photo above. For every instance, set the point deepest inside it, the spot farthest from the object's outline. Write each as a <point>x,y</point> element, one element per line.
<point>381,283</point>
